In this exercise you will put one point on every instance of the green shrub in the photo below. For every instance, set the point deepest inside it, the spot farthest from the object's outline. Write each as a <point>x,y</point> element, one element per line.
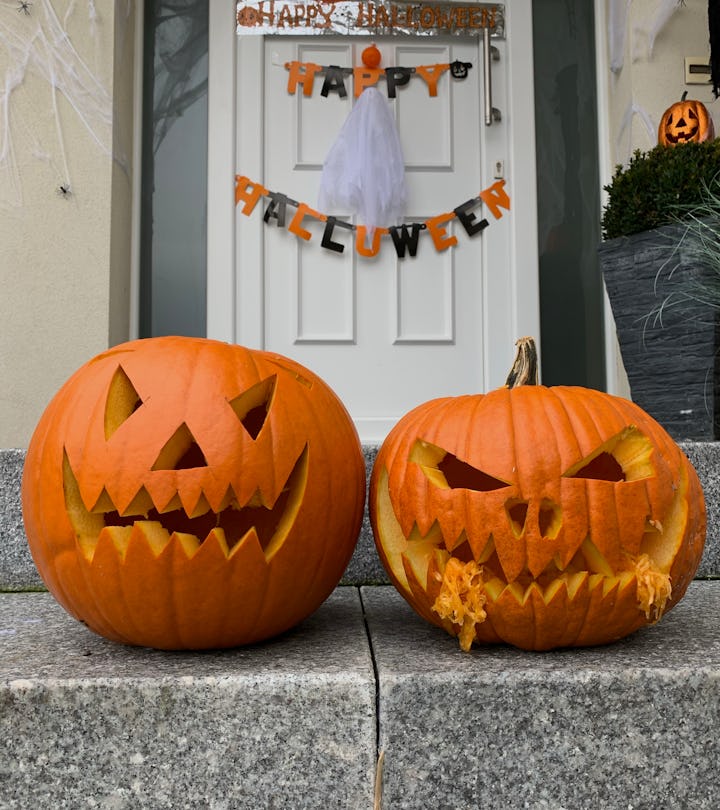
<point>656,185</point>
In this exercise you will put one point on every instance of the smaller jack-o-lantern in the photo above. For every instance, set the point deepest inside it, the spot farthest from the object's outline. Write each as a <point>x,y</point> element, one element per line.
<point>536,516</point>
<point>184,493</point>
<point>685,121</point>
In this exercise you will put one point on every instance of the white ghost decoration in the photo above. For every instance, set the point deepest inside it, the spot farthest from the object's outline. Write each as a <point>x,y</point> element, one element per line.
<point>364,172</point>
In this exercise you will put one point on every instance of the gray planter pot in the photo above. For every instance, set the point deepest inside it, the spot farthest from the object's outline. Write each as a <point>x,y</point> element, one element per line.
<point>670,358</point>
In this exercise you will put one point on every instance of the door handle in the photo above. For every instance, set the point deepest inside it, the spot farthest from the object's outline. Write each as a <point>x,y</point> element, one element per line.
<point>490,55</point>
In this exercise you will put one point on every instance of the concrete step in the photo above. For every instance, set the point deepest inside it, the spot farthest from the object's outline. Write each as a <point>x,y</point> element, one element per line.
<point>88,723</point>
<point>17,571</point>
<point>628,726</point>
<point>297,722</point>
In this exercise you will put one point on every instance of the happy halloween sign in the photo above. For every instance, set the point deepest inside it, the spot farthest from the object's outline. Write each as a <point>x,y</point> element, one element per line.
<point>384,18</point>
<point>404,237</point>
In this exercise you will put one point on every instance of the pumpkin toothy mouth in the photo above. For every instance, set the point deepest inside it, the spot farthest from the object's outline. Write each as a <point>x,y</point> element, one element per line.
<point>468,586</point>
<point>682,137</point>
<point>587,566</point>
<point>230,526</point>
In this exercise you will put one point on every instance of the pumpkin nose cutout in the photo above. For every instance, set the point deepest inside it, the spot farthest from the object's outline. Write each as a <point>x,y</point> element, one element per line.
<point>181,452</point>
<point>549,517</point>
<point>517,515</point>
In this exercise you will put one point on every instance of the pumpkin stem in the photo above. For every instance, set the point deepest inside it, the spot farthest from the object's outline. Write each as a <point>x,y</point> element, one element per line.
<point>684,96</point>
<point>524,370</point>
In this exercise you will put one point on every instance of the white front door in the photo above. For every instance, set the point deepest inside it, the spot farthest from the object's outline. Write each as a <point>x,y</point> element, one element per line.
<point>388,333</point>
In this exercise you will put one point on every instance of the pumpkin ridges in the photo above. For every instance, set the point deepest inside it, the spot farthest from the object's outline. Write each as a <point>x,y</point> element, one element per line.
<point>326,434</point>
<point>302,572</point>
<point>603,510</point>
<point>660,487</point>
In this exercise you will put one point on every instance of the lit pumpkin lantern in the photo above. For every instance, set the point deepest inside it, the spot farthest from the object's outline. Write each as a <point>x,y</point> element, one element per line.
<point>186,493</point>
<point>539,517</point>
<point>685,121</point>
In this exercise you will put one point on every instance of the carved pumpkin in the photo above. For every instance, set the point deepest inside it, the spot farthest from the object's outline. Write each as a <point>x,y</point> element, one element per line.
<point>540,517</point>
<point>684,121</point>
<point>187,493</point>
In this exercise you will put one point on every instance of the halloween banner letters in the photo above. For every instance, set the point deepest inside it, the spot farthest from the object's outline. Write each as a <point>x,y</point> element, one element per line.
<point>295,216</point>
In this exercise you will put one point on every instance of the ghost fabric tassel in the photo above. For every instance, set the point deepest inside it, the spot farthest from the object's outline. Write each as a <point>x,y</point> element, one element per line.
<point>714,27</point>
<point>364,171</point>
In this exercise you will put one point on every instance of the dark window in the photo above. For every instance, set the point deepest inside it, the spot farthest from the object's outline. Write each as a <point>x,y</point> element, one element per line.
<point>571,290</point>
<point>174,186</point>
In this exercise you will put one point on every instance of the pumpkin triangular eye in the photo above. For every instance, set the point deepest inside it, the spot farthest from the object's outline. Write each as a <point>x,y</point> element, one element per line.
<point>181,452</point>
<point>449,472</point>
<point>603,467</point>
<point>625,457</point>
<point>252,406</point>
<point>121,403</point>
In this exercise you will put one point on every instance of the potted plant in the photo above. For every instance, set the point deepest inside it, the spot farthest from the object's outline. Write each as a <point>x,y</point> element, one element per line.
<point>660,259</point>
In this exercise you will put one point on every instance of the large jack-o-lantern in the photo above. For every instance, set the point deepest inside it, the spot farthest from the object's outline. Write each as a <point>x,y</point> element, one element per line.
<point>187,493</point>
<point>540,517</point>
<point>685,121</point>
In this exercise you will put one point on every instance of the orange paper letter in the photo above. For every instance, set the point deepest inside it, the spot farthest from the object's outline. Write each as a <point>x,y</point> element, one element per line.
<point>365,77</point>
<point>360,241</point>
<point>439,234</point>
<point>302,73</point>
<point>496,198</point>
<point>431,74</point>
<point>248,192</point>
<point>295,226</point>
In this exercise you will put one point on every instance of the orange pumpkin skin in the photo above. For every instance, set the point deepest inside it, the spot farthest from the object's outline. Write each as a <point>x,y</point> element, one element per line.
<point>684,122</point>
<point>504,517</point>
<point>183,493</point>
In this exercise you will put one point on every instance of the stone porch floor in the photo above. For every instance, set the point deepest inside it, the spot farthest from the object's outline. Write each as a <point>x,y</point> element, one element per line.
<point>299,721</point>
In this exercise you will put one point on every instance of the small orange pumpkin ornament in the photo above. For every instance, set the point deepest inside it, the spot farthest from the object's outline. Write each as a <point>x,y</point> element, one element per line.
<point>685,121</point>
<point>371,56</point>
<point>184,493</point>
<point>539,517</point>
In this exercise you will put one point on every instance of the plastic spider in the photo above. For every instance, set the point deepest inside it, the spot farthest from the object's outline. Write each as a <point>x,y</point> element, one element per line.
<point>24,7</point>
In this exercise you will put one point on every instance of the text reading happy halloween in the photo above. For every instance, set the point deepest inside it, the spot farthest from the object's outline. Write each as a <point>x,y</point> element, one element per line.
<point>346,16</point>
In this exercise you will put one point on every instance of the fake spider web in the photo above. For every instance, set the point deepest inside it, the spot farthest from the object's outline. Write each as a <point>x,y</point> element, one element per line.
<point>34,42</point>
<point>641,38</point>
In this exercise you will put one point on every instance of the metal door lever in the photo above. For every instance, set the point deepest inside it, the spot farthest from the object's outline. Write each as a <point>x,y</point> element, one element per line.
<point>490,55</point>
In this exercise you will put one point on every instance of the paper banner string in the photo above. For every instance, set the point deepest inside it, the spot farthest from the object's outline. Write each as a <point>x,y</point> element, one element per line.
<point>304,73</point>
<point>405,237</point>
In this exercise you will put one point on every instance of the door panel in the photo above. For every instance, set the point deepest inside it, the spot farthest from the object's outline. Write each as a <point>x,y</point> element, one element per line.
<point>387,333</point>
<point>378,329</point>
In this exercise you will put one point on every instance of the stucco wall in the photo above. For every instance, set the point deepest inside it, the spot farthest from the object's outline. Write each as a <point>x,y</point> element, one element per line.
<point>64,258</point>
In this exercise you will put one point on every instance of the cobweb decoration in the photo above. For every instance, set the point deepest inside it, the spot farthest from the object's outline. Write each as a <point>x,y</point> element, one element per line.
<point>645,32</point>
<point>617,30</point>
<point>650,28</point>
<point>650,127</point>
<point>34,42</point>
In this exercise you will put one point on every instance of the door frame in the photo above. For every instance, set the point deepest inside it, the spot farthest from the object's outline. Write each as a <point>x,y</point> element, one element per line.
<point>231,297</point>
